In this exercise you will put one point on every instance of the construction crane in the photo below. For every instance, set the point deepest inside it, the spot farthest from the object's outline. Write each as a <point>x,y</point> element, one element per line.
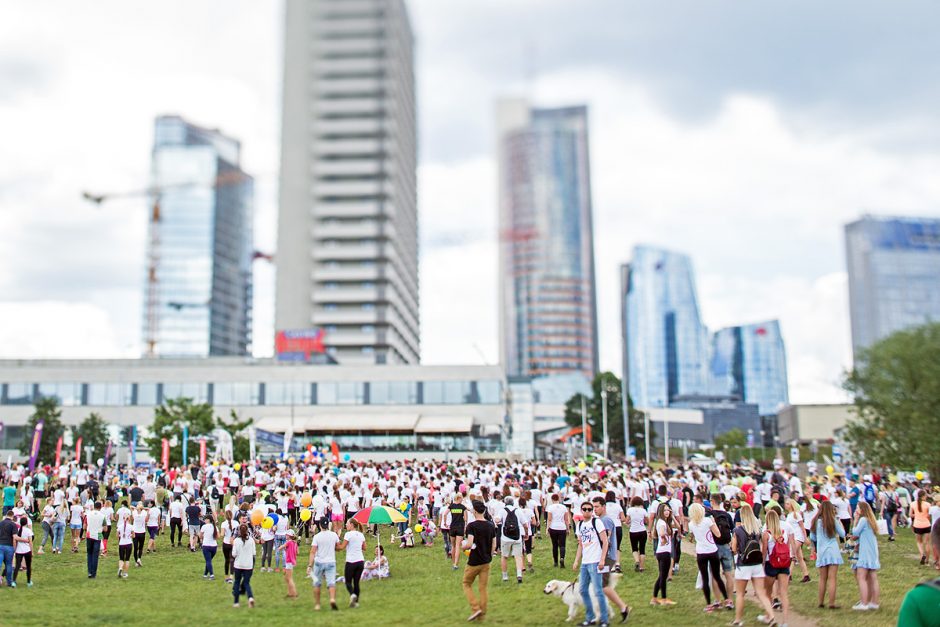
<point>155,193</point>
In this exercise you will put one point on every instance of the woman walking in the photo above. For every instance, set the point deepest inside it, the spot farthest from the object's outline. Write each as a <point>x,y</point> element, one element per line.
<point>777,564</point>
<point>48,520</point>
<point>209,538</point>
<point>920,517</point>
<point>826,531</point>
<point>704,530</point>
<point>23,551</point>
<point>559,518</point>
<point>867,565</point>
<point>749,548</point>
<point>354,543</point>
<point>154,517</point>
<point>795,521</point>
<point>229,530</point>
<point>76,512</point>
<point>139,525</point>
<point>267,548</point>
<point>58,526</point>
<point>243,553</point>
<point>662,529</point>
<point>125,544</point>
<point>457,512</point>
<point>638,519</point>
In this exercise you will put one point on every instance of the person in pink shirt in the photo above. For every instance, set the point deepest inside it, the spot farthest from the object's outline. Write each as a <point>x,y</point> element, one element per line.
<point>290,562</point>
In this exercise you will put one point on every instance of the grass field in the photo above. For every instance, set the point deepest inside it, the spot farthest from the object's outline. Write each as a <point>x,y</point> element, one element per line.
<point>423,589</point>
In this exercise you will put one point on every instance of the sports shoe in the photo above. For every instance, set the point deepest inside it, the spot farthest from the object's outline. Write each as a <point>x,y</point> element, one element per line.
<point>352,600</point>
<point>777,604</point>
<point>333,606</point>
<point>505,577</point>
<point>871,606</point>
<point>860,607</point>
<point>624,614</point>
<point>251,602</point>
<point>474,616</point>
<point>667,602</point>
<point>518,579</point>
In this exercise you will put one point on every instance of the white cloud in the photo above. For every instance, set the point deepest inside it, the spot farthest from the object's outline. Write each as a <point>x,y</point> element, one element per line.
<point>50,328</point>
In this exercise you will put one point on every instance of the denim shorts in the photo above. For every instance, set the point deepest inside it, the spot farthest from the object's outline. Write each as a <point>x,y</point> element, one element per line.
<point>726,558</point>
<point>324,570</point>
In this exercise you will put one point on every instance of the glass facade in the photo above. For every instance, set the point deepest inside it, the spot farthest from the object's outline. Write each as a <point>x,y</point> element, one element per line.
<point>547,292</point>
<point>200,301</point>
<point>666,344</point>
<point>894,276</point>
<point>749,362</point>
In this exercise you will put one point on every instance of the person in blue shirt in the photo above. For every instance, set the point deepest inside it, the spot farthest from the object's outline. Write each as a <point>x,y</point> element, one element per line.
<point>867,565</point>
<point>826,531</point>
<point>9,498</point>
<point>854,493</point>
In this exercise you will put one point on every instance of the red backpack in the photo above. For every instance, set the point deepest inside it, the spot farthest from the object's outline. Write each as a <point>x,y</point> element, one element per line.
<point>780,556</point>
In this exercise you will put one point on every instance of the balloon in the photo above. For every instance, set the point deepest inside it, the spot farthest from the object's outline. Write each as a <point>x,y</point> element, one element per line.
<point>305,515</point>
<point>257,516</point>
<point>467,552</point>
<point>306,499</point>
<point>291,460</point>
<point>268,522</point>
<point>215,464</point>
<point>237,467</point>
<point>419,528</point>
<point>403,506</point>
<point>830,469</point>
<point>274,517</point>
<point>919,475</point>
<point>347,457</point>
<point>582,465</point>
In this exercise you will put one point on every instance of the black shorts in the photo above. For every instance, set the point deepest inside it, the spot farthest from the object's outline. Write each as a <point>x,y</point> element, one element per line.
<point>527,546</point>
<point>124,552</point>
<point>770,571</point>
<point>456,531</point>
<point>152,531</point>
<point>921,531</point>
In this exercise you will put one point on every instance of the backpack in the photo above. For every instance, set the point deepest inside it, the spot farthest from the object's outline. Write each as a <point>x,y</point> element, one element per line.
<point>511,525</point>
<point>724,523</point>
<point>870,493</point>
<point>750,553</point>
<point>891,502</point>
<point>780,556</point>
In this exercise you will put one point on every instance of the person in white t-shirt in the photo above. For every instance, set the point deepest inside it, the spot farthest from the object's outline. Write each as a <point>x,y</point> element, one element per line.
<point>704,530</point>
<point>592,547</point>
<point>322,564</point>
<point>615,513</point>
<point>94,526</point>
<point>125,533</point>
<point>209,538</point>
<point>353,543</point>
<point>23,551</point>
<point>559,521</point>
<point>637,517</point>
<point>663,530</point>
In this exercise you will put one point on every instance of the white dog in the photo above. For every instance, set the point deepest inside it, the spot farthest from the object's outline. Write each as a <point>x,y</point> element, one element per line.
<point>570,594</point>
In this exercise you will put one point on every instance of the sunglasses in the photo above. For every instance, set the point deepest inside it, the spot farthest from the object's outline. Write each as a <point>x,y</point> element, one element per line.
<point>587,509</point>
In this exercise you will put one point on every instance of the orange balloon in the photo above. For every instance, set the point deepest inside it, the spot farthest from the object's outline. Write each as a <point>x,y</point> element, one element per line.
<point>306,499</point>
<point>256,516</point>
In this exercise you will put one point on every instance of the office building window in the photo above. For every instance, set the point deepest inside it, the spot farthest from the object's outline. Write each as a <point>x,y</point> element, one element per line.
<point>146,394</point>
<point>235,394</point>
<point>67,394</point>
<point>489,392</point>
<point>18,394</point>
<point>351,393</point>
<point>197,392</point>
<point>393,392</point>
<point>289,393</point>
<point>447,392</point>
<point>109,394</point>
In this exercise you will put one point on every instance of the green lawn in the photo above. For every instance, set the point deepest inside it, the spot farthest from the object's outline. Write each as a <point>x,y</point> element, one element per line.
<point>423,590</point>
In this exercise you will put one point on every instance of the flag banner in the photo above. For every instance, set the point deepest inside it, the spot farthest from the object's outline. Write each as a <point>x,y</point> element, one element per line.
<point>107,453</point>
<point>165,458</point>
<point>34,449</point>
<point>133,446</point>
<point>78,450</point>
<point>335,450</point>
<point>58,451</point>
<point>252,434</point>
<point>185,443</point>
<point>202,451</point>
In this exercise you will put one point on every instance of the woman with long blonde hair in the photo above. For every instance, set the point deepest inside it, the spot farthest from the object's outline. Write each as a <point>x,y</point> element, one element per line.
<point>704,530</point>
<point>867,566</point>
<point>826,531</point>
<point>798,538</point>
<point>749,547</point>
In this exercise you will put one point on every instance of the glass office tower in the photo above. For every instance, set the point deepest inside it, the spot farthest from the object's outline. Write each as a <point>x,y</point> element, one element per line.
<point>198,298</point>
<point>548,319</point>
<point>749,362</point>
<point>666,344</point>
<point>894,275</point>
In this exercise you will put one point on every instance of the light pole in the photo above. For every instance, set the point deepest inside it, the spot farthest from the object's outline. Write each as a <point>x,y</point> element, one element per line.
<point>646,435</point>
<point>583,427</point>
<point>762,445</point>
<point>626,417</point>
<point>604,414</point>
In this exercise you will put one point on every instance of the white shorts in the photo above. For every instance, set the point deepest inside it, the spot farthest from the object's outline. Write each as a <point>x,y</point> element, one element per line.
<point>511,549</point>
<point>746,573</point>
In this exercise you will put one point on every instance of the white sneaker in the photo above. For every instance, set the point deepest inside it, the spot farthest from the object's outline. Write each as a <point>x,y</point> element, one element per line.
<point>873,606</point>
<point>761,618</point>
<point>860,607</point>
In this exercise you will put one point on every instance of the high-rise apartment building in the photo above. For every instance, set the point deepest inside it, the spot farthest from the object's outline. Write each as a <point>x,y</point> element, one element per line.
<point>548,315</point>
<point>347,255</point>
<point>199,280</point>
<point>894,275</point>
<point>665,342</point>
<point>749,362</point>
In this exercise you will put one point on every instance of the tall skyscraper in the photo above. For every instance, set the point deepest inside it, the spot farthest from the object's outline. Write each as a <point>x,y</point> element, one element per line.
<point>665,342</point>
<point>347,255</point>
<point>198,300</point>
<point>749,362</point>
<point>894,275</point>
<point>546,265</point>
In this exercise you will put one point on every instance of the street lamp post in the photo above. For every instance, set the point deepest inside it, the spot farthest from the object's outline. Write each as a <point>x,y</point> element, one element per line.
<point>584,427</point>
<point>762,445</point>
<point>604,415</point>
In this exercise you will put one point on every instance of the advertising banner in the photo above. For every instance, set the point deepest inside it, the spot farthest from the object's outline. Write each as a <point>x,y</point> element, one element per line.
<point>34,449</point>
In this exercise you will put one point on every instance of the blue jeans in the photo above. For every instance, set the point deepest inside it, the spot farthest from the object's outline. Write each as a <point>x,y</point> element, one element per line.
<point>93,551</point>
<point>242,584</point>
<point>208,552</point>
<point>58,535</point>
<point>590,576</point>
<point>888,518</point>
<point>6,554</point>
<point>280,559</point>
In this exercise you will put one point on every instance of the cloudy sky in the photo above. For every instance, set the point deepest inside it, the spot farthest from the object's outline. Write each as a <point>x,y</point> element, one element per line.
<point>744,134</point>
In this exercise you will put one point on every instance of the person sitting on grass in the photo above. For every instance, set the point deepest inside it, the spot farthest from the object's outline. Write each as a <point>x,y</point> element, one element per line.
<point>377,568</point>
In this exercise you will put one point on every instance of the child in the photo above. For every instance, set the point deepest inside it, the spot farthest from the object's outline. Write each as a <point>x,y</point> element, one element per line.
<point>24,551</point>
<point>407,539</point>
<point>290,562</point>
<point>428,532</point>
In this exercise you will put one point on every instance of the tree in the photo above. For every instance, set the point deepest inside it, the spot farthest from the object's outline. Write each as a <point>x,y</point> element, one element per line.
<point>47,410</point>
<point>168,422</point>
<point>241,448</point>
<point>731,438</point>
<point>93,431</point>
<point>896,386</point>
<point>594,410</point>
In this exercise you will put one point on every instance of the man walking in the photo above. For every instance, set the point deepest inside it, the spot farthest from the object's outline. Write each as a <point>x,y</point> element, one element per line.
<point>94,525</point>
<point>323,564</point>
<point>592,547</point>
<point>510,539</point>
<point>600,512</point>
<point>8,531</point>
<point>481,540</point>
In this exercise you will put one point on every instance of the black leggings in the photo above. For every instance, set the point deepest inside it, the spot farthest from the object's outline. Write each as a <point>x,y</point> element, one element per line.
<point>124,552</point>
<point>638,542</point>
<point>706,561</point>
<point>664,560</point>
<point>176,524</point>
<point>139,545</point>
<point>227,558</point>
<point>267,551</point>
<point>559,538</point>
<point>19,559</point>
<point>352,575</point>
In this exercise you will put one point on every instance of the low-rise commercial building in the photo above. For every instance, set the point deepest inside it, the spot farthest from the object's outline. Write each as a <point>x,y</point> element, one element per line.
<point>805,423</point>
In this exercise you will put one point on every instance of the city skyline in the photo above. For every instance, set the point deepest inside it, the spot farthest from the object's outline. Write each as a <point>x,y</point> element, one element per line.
<point>751,167</point>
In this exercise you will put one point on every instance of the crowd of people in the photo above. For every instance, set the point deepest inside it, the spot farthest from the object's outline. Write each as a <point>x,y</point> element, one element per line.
<point>747,527</point>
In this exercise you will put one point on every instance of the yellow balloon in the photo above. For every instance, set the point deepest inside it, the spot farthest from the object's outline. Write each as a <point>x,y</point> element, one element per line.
<point>467,552</point>
<point>268,522</point>
<point>305,515</point>
<point>257,516</point>
<point>419,528</point>
<point>306,499</point>
<point>215,464</point>
<point>237,467</point>
<point>403,506</point>
<point>919,475</point>
<point>582,465</point>
<point>830,470</point>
